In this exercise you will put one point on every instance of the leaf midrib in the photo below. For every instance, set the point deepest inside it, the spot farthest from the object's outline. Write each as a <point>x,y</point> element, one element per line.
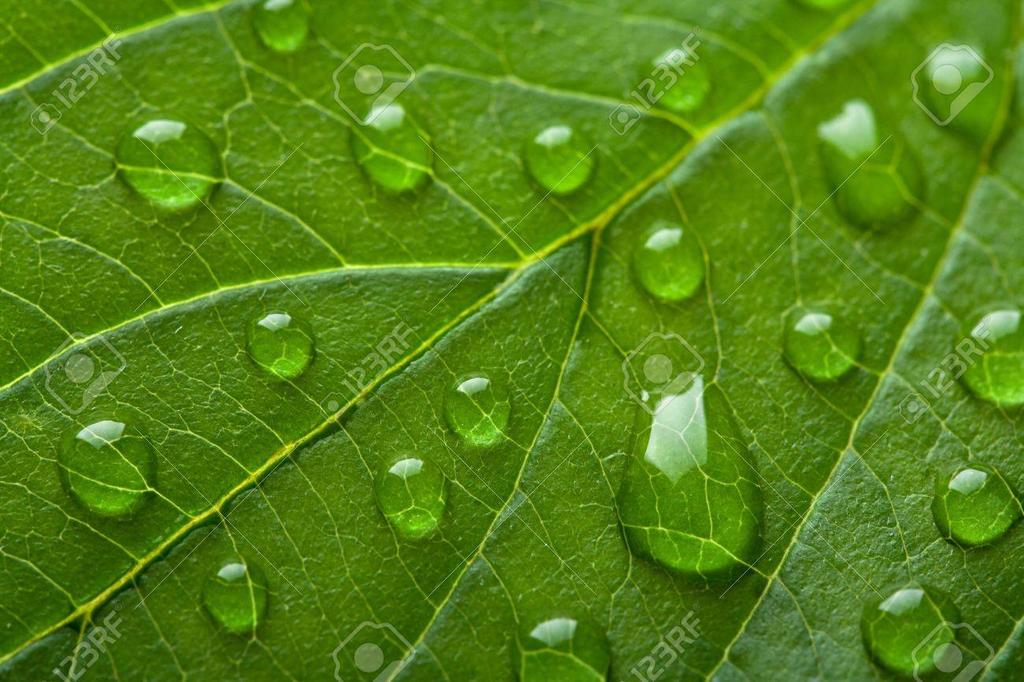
<point>841,22</point>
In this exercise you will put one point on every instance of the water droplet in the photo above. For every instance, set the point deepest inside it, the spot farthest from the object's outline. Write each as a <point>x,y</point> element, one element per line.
<point>282,24</point>
<point>975,506</point>
<point>909,631</point>
<point>875,180</point>
<point>560,160</point>
<point>236,596</point>
<point>669,262</point>
<point>821,346</point>
<point>281,345</point>
<point>108,466</point>
<point>390,149</point>
<point>477,409</point>
<point>995,369</point>
<point>953,86</point>
<point>412,494</point>
<point>563,649</point>
<point>170,163</point>
<point>689,498</point>
<point>692,82</point>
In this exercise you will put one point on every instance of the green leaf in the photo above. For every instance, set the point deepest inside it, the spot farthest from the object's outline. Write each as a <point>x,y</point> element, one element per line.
<point>399,260</point>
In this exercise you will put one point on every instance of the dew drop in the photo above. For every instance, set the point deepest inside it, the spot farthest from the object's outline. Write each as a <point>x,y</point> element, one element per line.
<point>108,466</point>
<point>412,494</point>
<point>908,631</point>
<point>477,409</point>
<point>564,649</point>
<point>170,163</point>
<point>390,150</point>
<point>282,25</point>
<point>996,372</point>
<point>975,506</point>
<point>236,596</point>
<point>821,346</point>
<point>875,181</point>
<point>281,345</point>
<point>669,262</point>
<point>559,159</point>
<point>689,499</point>
<point>692,82</point>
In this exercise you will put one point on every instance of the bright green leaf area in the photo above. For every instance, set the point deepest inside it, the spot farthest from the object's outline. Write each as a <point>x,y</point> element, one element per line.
<point>412,287</point>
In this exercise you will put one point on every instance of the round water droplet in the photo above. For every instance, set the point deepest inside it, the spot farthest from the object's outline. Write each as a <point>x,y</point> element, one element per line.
<point>975,506</point>
<point>875,180</point>
<point>560,160</point>
<point>953,86</point>
<point>390,149</point>
<point>412,494</point>
<point>477,409</point>
<point>236,596</point>
<point>995,369</point>
<point>821,346</point>
<point>564,649</point>
<point>281,345</point>
<point>689,499</point>
<point>669,262</point>
<point>281,24</point>
<point>909,631</point>
<point>690,82</point>
<point>170,163</point>
<point>108,466</point>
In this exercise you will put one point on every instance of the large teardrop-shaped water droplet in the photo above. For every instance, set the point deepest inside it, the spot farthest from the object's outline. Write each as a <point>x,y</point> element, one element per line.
<point>560,160</point>
<point>236,596</point>
<point>669,262</point>
<point>391,150</point>
<point>975,506</point>
<point>995,364</point>
<point>563,649</point>
<point>281,24</point>
<point>691,80</point>
<point>477,409</point>
<point>874,178</point>
<point>108,466</point>
<point>911,630</point>
<point>690,498</point>
<point>281,345</point>
<point>821,346</point>
<point>170,163</point>
<point>412,494</point>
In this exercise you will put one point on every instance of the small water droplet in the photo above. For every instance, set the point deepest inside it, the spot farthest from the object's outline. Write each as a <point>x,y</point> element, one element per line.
<point>875,180</point>
<point>477,409</point>
<point>390,149</point>
<point>281,24</point>
<point>692,83</point>
<point>821,346</point>
<point>412,494</point>
<point>689,499</point>
<point>669,262</point>
<point>236,596</point>
<point>559,159</point>
<point>975,506</point>
<point>564,649</point>
<point>995,369</point>
<point>909,631</point>
<point>281,345</point>
<point>170,163</point>
<point>108,466</point>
